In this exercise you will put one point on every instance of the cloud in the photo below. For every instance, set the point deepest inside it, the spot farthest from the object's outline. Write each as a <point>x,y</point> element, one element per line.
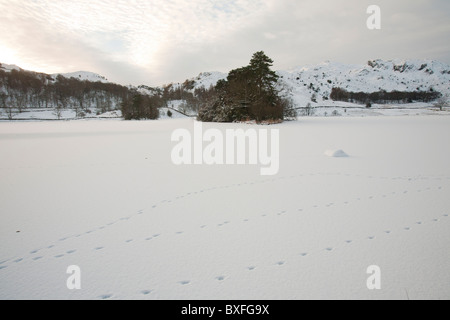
<point>159,41</point>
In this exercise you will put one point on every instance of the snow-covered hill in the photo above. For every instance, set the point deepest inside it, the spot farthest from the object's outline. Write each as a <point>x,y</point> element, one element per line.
<point>207,79</point>
<point>8,67</point>
<point>376,75</point>
<point>83,75</point>
<point>80,75</point>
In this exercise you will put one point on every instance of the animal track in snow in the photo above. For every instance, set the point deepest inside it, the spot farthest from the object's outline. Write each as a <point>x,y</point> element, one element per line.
<point>279,213</point>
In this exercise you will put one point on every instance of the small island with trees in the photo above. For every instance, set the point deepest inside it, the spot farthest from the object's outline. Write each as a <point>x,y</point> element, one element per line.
<point>248,94</point>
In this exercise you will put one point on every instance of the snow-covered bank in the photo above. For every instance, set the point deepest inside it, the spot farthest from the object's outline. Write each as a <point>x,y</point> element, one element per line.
<point>104,195</point>
<point>68,114</point>
<point>334,109</point>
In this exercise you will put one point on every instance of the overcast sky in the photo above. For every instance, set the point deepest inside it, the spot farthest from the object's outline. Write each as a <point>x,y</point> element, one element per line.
<point>159,41</point>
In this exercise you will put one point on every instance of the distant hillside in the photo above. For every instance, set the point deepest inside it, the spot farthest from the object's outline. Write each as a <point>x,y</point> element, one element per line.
<point>82,92</point>
<point>377,75</point>
<point>83,76</point>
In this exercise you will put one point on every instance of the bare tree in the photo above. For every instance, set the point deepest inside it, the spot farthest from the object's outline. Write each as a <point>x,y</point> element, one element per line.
<point>308,110</point>
<point>10,112</point>
<point>20,101</point>
<point>2,102</point>
<point>58,111</point>
<point>442,102</point>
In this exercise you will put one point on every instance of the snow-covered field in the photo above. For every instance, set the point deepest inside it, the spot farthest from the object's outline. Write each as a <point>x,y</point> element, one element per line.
<point>105,196</point>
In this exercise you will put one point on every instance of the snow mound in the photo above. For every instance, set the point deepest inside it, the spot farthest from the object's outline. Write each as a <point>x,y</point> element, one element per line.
<point>336,153</point>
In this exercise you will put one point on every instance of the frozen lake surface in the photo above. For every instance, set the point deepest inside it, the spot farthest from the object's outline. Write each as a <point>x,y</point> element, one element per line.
<point>105,196</point>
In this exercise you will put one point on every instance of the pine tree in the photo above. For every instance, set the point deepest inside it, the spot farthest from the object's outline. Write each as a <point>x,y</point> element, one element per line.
<point>265,79</point>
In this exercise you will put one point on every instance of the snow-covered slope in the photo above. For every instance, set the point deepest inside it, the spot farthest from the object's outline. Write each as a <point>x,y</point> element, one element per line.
<point>376,75</point>
<point>207,79</point>
<point>8,67</point>
<point>83,75</point>
<point>203,80</point>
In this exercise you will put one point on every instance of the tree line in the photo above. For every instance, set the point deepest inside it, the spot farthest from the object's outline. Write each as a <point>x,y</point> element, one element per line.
<point>339,94</point>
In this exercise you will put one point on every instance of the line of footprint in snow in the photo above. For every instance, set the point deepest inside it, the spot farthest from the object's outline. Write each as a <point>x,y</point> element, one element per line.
<point>279,263</point>
<point>225,187</point>
<point>279,213</point>
<point>154,206</point>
